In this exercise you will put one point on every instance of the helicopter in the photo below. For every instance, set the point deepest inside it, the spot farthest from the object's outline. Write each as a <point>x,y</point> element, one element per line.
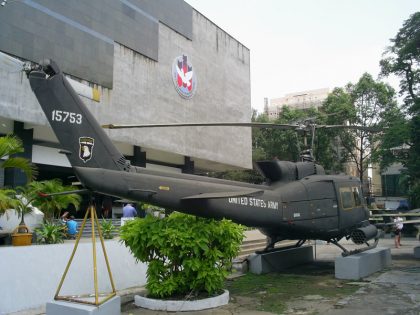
<point>297,202</point>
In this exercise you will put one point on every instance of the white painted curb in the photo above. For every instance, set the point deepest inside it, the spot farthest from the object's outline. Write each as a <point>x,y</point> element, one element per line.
<point>181,306</point>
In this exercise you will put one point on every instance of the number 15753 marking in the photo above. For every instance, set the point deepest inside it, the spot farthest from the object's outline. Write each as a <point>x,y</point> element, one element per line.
<point>63,116</point>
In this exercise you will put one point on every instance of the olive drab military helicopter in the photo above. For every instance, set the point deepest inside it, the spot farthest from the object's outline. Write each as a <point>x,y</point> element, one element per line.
<point>298,201</point>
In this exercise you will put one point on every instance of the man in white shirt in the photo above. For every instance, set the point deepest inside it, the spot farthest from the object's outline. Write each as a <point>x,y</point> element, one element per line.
<point>398,227</point>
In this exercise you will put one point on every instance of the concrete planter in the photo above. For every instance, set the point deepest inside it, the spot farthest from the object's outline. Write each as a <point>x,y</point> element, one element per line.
<point>181,306</point>
<point>21,238</point>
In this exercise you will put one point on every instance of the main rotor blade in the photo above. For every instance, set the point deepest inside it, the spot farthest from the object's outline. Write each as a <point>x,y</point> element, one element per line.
<point>211,124</point>
<point>404,222</point>
<point>365,128</point>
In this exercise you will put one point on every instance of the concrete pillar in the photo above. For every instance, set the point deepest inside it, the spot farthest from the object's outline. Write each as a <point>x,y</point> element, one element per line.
<point>188,165</point>
<point>280,260</point>
<point>110,307</point>
<point>357,266</point>
<point>139,158</point>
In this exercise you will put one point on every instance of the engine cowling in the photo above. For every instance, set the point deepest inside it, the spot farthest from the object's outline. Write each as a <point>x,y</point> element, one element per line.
<point>284,171</point>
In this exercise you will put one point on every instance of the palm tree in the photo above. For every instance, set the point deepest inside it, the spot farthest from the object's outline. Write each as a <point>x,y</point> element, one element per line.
<point>5,200</point>
<point>18,199</point>
<point>23,198</point>
<point>9,145</point>
<point>52,205</point>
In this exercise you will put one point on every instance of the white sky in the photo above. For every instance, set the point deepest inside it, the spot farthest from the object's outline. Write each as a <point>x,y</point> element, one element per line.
<point>299,45</point>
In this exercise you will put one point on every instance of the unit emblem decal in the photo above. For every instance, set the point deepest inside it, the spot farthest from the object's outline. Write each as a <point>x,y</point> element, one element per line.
<point>183,76</point>
<point>86,148</point>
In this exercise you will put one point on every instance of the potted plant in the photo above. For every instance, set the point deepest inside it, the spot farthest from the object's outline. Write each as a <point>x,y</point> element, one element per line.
<point>188,257</point>
<point>9,146</point>
<point>22,200</point>
<point>18,199</point>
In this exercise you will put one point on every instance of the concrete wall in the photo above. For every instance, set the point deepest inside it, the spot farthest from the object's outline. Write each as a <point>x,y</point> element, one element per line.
<point>143,91</point>
<point>80,34</point>
<point>31,274</point>
<point>222,68</point>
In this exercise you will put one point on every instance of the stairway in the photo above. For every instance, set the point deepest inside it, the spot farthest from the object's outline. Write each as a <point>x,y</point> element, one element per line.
<point>250,246</point>
<point>87,231</point>
<point>254,241</point>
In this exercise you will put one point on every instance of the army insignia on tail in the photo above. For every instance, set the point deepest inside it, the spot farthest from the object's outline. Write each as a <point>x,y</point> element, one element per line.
<point>86,148</point>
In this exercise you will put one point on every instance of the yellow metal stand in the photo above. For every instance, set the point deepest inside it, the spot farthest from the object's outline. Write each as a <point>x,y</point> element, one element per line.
<point>79,298</point>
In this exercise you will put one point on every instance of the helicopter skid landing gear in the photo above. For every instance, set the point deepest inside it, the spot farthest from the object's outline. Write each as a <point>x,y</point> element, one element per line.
<point>346,252</point>
<point>271,243</point>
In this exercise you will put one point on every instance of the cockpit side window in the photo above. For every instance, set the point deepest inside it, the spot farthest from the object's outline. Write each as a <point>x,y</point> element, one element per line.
<point>346,197</point>
<point>350,197</point>
<point>357,196</point>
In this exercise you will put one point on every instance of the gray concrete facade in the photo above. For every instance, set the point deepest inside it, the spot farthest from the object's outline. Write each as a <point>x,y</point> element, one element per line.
<point>125,49</point>
<point>79,35</point>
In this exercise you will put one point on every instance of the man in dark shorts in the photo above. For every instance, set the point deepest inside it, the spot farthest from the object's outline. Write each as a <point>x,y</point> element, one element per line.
<point>397,231</point>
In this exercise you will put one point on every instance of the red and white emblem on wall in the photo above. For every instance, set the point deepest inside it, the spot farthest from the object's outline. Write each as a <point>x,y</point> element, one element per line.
<point>184,77</point>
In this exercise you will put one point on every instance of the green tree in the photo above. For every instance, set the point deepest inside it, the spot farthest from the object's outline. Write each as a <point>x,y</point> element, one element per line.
<point>282,144</point>
<point>367,104</point>
<point>5,200</point>
<point>402,59</point>
<point>394,141</point>
<point>336,110</point>
<point>10,145</point>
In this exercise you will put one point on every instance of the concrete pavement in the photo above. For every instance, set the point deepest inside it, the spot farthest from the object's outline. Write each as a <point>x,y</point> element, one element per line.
<point>392,291</point>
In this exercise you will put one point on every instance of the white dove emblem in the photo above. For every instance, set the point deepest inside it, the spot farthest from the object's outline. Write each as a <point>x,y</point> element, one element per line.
<point>185,77</point>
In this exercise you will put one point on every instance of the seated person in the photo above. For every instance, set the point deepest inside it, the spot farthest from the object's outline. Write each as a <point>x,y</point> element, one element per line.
<point>71,227</point>
<point>64,218</point>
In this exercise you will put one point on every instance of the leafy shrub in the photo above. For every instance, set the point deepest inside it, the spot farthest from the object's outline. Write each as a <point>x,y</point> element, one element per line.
<point>50,233</point>
<point>107,228</point>
<point>185,254</point>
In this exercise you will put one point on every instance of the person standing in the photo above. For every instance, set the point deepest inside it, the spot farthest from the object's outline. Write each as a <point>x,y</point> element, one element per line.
<point>398,227</point>
<point>107,207</point>
<point>129,211</point>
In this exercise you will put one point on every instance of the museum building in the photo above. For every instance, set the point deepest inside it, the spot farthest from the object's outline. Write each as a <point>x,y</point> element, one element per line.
<point>132,62</point>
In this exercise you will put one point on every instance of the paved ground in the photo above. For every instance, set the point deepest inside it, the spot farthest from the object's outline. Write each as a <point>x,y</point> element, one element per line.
<point>393,291</point>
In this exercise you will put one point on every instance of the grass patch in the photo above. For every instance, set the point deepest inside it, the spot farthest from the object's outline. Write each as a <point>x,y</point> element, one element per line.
<point>270,292</point>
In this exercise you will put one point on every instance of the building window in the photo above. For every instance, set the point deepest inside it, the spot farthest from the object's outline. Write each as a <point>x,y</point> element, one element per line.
<point>391,186</point>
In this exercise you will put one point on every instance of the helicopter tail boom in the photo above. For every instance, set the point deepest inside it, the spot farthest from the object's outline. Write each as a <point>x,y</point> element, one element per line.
<point>75,127</point>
